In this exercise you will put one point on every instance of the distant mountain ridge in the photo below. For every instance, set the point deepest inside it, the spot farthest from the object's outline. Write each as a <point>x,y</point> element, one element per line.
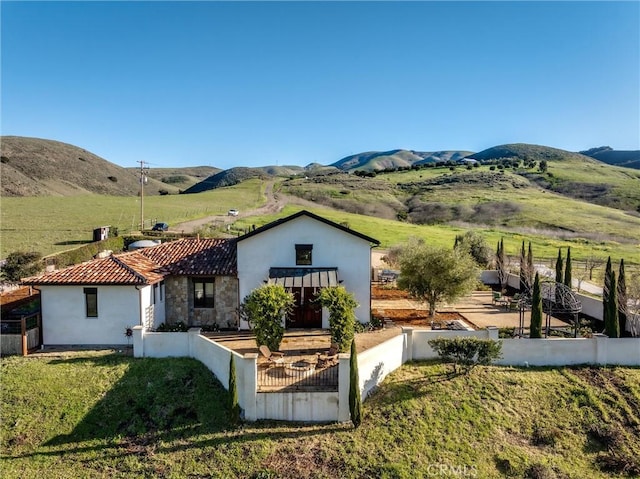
<point>39,167</point>
<point>380,160</point>
<point>606,154</point>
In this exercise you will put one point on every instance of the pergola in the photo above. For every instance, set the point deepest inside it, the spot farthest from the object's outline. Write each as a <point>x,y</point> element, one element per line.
<point>557,298</point>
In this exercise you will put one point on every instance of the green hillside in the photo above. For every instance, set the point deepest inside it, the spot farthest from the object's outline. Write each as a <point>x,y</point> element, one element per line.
<point>110,415</point>
<point>181,178</point>
<point>37,167</point>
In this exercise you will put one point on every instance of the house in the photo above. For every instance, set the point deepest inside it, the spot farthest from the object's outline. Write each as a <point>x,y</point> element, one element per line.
<point>201,282</point>
<point>305,252</point>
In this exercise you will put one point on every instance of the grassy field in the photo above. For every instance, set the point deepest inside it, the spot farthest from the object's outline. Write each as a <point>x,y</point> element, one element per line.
<point>390,233</point>
<point>99,415</point>
<point>51,224</point>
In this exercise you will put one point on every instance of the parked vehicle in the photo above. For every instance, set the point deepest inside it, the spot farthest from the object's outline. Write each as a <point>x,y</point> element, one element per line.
<point>160,227</point>
<point>233,212</point>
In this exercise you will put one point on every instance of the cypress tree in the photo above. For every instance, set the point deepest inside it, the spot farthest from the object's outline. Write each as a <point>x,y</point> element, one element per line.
<point>530,268</point>
<point>535,330</point>
<point>523,270</point>
<point>500,264</point>
<point>355,402</point>
<point>559,267</point>
<point>567,271</point>
<point>606,292</point>
<point>612,326</point>
<point>234,406</point>
<point>622,299</point>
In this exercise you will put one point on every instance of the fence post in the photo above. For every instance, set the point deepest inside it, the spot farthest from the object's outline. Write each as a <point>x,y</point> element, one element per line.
<point>138,341</point>
<point>407,354</point>
<point>344,370</point>
<point>23,329</point>
<point>494,332</point>
<point>193,337</point>
<point>250,383</point>
<point>601,348</point>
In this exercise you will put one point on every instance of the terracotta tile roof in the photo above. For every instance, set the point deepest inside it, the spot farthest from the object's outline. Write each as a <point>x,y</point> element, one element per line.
<point>195,257</point>
<point>126,269</point>
<point>187,256</point>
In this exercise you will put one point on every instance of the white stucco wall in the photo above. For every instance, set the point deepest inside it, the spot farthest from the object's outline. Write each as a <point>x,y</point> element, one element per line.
<point>331,248</point>
<point>64,319</point>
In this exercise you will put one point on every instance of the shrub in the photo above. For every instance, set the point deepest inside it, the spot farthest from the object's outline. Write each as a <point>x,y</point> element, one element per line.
<point>467,351</point>
<point>341,305</point>
<point>355,402</point>
<point>179,327</point>
<point>265,308</point>
<point>21,264</point>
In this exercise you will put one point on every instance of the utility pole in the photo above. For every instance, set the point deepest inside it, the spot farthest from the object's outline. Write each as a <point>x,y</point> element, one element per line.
<point>143,181</point>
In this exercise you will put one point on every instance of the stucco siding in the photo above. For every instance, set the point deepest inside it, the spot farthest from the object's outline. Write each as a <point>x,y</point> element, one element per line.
<point>64,319</point>
<point>331,248</point>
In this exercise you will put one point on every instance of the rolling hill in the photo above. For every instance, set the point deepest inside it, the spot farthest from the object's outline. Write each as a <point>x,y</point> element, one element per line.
<point>626,158</point>
<point>181,178</point>
<point>380,160</point>
<point>37,167</point>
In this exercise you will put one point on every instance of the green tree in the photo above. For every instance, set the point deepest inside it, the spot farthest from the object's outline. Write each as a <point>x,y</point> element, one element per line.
<point>432,275</point>
<point>234,406</point>
<point>265,308</point>
<point>567,271</point>
<point>530,268</point>
<point>501,265</point>
<point>355,402</point>
<point>535,330</point>
<point>543,166</point>
<point>21,264</point>
<point>341,305</point>
<point>559,268</point>
<point>612,326</point>
<point>474,244</point>
<point>523,270</point>
<point>622,299</point>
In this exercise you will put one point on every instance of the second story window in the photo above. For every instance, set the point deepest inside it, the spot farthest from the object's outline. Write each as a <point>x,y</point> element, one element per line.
<point>303,254</point>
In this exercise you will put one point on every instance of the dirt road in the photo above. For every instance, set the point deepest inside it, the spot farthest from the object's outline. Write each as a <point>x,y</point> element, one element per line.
<point>274,203</point>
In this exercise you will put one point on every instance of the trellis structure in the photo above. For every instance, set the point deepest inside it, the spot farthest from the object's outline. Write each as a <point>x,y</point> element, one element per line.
<point>557,298</point>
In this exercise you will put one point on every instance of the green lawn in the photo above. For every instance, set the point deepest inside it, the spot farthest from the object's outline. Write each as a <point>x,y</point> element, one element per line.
<point>109,415</point>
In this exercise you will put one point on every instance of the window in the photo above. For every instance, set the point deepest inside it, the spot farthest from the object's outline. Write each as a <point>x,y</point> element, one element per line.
<point>303,254</point>
<point>91,302</point>
<point>155,293</point>
<point>203,293</point>
<point>161,290</point>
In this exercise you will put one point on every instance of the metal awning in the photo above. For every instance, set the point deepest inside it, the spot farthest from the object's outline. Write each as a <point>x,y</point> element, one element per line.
<point>304,277</point>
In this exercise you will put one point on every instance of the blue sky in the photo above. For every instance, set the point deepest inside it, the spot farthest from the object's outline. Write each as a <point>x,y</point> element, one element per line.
<point>260,83</point>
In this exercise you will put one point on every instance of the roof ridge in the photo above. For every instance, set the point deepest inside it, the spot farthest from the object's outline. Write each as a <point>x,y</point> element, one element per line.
<point>130,269</point>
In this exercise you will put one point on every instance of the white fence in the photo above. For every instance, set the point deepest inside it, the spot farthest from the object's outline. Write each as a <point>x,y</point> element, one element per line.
<point>287,406</point>
<point>374,365</point>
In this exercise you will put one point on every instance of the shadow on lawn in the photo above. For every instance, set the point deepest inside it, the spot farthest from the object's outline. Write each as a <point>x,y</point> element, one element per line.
<point>163,405</point>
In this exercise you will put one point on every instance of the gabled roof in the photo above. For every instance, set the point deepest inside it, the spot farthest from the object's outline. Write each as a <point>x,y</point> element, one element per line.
<point>310,215</point>
<point>187,256</point>
<point>125,269</point>
<point>195,256</point>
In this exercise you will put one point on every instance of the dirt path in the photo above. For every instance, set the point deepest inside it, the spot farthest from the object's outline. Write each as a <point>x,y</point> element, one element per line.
<point>275,203</point>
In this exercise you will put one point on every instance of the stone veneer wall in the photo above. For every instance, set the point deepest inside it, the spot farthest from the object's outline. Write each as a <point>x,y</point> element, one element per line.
<point>179,303</point>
